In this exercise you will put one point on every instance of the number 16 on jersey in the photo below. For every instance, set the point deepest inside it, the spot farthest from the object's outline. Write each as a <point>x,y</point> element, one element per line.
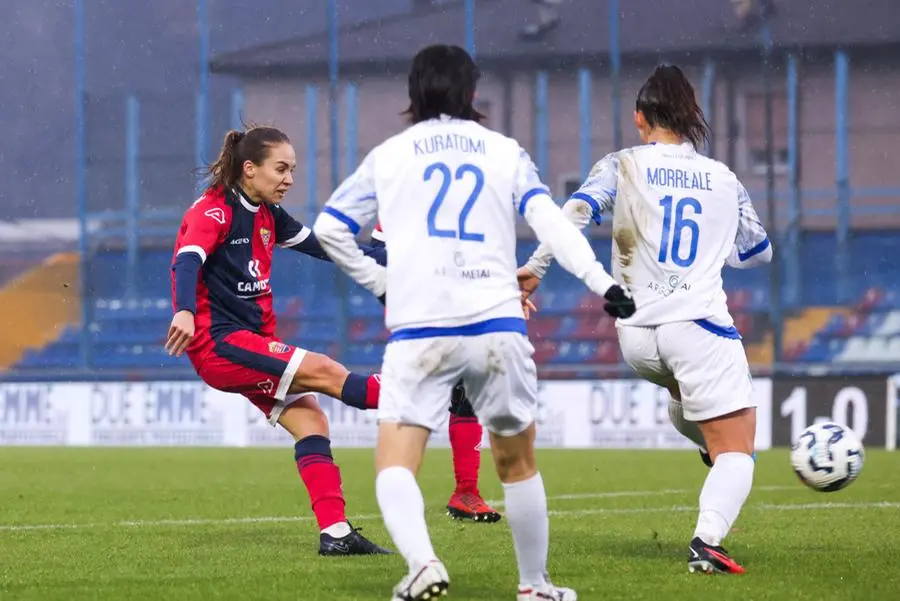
<point>672,232</point>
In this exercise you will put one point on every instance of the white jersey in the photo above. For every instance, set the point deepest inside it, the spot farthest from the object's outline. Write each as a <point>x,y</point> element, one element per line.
<point>678,218</point>
<point>447,193</point>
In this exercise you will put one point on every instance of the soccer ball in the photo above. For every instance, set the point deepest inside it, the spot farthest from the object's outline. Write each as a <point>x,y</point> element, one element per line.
<point>827,456</point>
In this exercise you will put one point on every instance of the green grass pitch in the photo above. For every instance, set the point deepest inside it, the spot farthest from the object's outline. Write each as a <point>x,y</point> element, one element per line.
<point>129,524</point>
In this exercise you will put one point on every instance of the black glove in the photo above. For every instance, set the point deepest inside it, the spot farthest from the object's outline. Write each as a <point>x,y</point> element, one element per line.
<point>618,303</point>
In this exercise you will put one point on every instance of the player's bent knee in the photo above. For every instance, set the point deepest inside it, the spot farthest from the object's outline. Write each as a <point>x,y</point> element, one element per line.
<point>734,432</point>
<point>304,418</point>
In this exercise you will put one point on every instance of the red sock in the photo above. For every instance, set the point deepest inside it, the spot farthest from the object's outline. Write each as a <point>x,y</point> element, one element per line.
<point>322,479</point>
<point>373,390</point>
<point>465,441</point>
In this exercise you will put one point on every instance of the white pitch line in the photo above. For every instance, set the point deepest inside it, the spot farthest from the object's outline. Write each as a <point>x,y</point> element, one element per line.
<point>616,494</point>
<point>553,513</point>
<point>751,507</point>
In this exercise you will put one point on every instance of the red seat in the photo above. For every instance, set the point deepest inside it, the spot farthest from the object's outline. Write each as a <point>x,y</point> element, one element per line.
<point>542,327</point>
<point>590,304</point>
<point>870,300</point>
<point>738,299</point>
<point>743,323</point>
<point>795,350</point>
<point>544,351</point>
<point>607,352</point>
<point>357,328</point>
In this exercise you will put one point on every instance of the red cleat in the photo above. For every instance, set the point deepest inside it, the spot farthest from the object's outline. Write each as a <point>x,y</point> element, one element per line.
<point>470,506</point>
<point>711,560</point>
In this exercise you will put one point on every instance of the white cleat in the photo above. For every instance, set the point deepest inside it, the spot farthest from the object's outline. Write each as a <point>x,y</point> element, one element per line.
<point>428,583</point>
<point>546,592</point>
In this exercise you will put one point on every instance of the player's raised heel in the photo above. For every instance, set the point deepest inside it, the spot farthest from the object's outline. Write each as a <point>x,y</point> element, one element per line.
<point>352,544</point>
<point>707,559</point>
<point>425,584</point>
<point>470,506</point>
<point>546,592</point>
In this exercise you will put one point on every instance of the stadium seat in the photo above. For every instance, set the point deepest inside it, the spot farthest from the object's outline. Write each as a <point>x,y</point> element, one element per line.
<point>570,328</point>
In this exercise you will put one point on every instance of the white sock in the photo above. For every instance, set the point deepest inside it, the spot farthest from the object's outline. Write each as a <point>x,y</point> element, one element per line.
<point>339,530</point>
<point>403,509</point>
<point>688,429</point>
<point>724,493</point>
<point>526,514</point>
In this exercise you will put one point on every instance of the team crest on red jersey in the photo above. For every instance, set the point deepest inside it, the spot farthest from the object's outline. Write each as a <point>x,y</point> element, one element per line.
<point>267,386</point>
<point>277,348</point>
<point>266,235</point>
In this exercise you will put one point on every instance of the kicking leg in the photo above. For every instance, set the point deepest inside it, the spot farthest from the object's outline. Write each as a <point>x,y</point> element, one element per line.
<point>319,373</point>
<point>688,429</point>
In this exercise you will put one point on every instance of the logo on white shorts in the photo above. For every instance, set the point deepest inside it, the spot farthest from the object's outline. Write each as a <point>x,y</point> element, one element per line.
<point>267,386</point>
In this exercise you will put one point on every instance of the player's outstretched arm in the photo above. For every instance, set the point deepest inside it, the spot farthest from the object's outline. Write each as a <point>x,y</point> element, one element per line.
<point>595,196</point>
<point>306,242</point>
<point>566,243</point>
<point>751,245</point>
<point>351,206</point>
<point>564,240</point>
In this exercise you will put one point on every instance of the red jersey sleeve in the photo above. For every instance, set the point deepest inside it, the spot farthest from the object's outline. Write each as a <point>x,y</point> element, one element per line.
<point>204,228</point>
<point>377,234</point>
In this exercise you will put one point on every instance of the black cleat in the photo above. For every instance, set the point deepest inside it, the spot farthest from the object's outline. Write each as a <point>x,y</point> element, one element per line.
<point>352,544</point>
<point>711,560</point>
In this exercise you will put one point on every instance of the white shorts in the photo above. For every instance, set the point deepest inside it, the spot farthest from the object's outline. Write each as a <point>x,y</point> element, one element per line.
<point>497,370</point>
<point>710,370</point>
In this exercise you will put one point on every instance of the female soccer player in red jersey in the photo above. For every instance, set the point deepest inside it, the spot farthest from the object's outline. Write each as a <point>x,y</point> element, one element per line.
<point>225,322</point>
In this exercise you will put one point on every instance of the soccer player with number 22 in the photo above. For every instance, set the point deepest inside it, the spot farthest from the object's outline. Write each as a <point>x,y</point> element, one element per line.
<point>447,192</point>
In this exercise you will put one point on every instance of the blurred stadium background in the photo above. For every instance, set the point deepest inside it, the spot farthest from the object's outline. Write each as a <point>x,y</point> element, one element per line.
<point>129,98</point>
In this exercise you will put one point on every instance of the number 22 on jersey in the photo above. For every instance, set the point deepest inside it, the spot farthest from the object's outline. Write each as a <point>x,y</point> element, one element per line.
<point>448,179</point>
<point>672,232</point>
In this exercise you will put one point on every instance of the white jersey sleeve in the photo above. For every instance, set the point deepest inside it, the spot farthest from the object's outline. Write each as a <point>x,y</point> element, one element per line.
<point>352,206</point>
<point>751,246</point>
<point>597,195</point>
<point>557,233</point>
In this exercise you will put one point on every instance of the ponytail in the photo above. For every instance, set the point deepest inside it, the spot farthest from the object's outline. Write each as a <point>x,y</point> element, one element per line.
<point>667,101</point>
<point>240,146</point>
<point>227,169</point>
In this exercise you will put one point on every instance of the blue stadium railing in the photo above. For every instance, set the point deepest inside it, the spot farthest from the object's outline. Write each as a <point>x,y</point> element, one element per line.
<point>129,314</point>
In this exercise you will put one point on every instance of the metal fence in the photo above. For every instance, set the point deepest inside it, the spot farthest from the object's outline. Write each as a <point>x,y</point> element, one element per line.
<point>135,156</point>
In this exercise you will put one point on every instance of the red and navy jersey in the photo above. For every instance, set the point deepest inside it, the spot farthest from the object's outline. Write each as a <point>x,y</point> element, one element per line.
<point>234,239</point>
